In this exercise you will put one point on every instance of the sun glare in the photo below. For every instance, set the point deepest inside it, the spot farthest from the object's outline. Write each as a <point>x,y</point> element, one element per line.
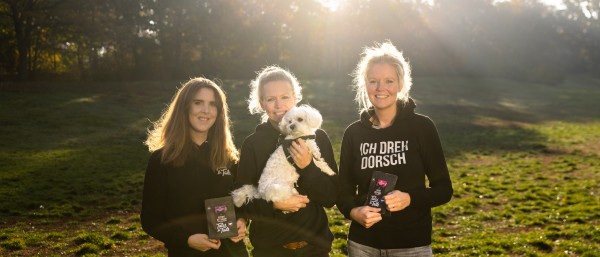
<point>331,5</point>
<point>557,4</point>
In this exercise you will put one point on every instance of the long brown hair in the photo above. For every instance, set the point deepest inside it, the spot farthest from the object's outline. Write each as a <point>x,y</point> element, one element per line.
<point>172,131</point>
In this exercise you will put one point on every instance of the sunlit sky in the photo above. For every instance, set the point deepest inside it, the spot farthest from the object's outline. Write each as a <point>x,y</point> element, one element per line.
<point>556,3</point>
<point>333,5</point>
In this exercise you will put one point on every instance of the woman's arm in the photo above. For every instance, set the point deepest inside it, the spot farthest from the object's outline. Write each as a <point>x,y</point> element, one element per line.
<point>440,186</point>
<point>248,174</point>
<point>320,187</point>
<point>154,206</point>
<point>348,184</point>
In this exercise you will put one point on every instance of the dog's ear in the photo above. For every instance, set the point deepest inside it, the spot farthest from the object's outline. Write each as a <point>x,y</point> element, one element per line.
<point>283,125</point>
<point>313,117</point>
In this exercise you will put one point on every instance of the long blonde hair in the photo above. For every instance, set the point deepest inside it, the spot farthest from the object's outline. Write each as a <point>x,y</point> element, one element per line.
<point>266,75</point>
<point>172,131</point>
<point>381,53</point>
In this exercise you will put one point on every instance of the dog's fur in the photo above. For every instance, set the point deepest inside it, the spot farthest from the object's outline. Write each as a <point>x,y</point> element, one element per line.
<point>279,176</point>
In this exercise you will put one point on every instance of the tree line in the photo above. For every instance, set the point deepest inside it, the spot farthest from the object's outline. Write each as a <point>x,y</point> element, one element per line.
<point>173,39</point>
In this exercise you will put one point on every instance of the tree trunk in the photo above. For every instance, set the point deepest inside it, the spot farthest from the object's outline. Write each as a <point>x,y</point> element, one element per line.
<point>22,23</point>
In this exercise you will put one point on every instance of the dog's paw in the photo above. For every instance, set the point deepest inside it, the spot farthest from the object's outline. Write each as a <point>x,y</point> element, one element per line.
<point>244,195</point>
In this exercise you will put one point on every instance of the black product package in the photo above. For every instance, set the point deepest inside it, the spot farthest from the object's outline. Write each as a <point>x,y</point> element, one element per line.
<point>220,215</point>
<point>381,184</point>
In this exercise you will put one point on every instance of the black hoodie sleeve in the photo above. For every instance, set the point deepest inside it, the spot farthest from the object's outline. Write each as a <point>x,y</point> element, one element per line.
<point>248,173</point>
<point>154,205</point>
<point>348,184</point>
<point>319,186</point>
<point>440,186</point>
<point>239,211</point>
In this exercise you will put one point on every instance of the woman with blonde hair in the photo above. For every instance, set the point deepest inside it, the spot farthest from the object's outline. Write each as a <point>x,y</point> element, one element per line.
<point>390,137</point>
<point>193,159</point>
<point>298,225</point>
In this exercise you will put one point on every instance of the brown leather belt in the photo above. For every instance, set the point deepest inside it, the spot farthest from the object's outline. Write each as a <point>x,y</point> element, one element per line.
<point>295,245</point>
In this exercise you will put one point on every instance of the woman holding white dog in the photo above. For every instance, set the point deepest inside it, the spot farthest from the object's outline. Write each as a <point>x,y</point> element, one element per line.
<point>390,137</point>
<point>297,225</point>
<point>193,159</point>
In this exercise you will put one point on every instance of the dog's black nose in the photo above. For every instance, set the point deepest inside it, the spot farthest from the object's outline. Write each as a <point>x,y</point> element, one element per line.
<point>292,127</point>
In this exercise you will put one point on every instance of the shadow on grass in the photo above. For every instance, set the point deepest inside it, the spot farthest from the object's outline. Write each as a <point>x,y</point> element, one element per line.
<point>70,152</point>
<point>466,129</point>
<point>69,183</point>
<point>482,115</point>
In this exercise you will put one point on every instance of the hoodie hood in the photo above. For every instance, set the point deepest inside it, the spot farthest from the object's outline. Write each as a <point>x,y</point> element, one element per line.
<point>403,111</point>
<point>266,127</point>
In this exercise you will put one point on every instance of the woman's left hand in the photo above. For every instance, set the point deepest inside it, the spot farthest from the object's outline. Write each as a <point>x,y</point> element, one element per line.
<point>241,226</point>
<point>397,200</point>
<point>300,153</point>
<point>202,243</point>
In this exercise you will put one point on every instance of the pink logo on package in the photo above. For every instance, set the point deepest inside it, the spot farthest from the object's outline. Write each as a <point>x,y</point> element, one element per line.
<point>220,209</point>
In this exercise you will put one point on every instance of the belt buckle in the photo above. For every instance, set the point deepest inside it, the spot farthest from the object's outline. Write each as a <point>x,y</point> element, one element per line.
<point>295,245</point>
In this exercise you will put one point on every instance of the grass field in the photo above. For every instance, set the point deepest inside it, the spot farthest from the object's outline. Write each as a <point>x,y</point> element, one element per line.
<point>524,159</point>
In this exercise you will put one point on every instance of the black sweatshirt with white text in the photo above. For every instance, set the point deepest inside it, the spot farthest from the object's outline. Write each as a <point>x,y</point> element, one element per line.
<point>410,148</point>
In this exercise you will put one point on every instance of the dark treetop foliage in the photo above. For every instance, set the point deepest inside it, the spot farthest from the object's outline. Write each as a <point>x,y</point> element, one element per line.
<point>160,39</point>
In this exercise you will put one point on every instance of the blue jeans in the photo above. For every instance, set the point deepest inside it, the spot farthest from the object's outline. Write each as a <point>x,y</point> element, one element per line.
<point>357,250</point>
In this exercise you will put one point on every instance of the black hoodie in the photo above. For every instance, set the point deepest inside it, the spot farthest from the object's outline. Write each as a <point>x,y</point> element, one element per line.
<point>173,202</point>
<point>410,148</point>
<point>271,227</point>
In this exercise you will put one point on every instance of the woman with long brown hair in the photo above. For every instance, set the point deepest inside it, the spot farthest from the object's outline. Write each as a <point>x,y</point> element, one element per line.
<point>193,159</point>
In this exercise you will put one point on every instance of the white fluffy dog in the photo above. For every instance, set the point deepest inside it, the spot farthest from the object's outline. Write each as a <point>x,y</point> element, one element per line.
<point>279,176</point>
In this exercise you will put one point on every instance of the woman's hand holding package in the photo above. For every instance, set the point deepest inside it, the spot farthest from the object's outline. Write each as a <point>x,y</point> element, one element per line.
<point>241,226</point>
<point>201,242</point>
<point>367,216</point>
<point>397,200</point>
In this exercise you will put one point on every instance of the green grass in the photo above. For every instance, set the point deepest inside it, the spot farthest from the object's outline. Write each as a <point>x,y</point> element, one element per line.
<point>524,159</point>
